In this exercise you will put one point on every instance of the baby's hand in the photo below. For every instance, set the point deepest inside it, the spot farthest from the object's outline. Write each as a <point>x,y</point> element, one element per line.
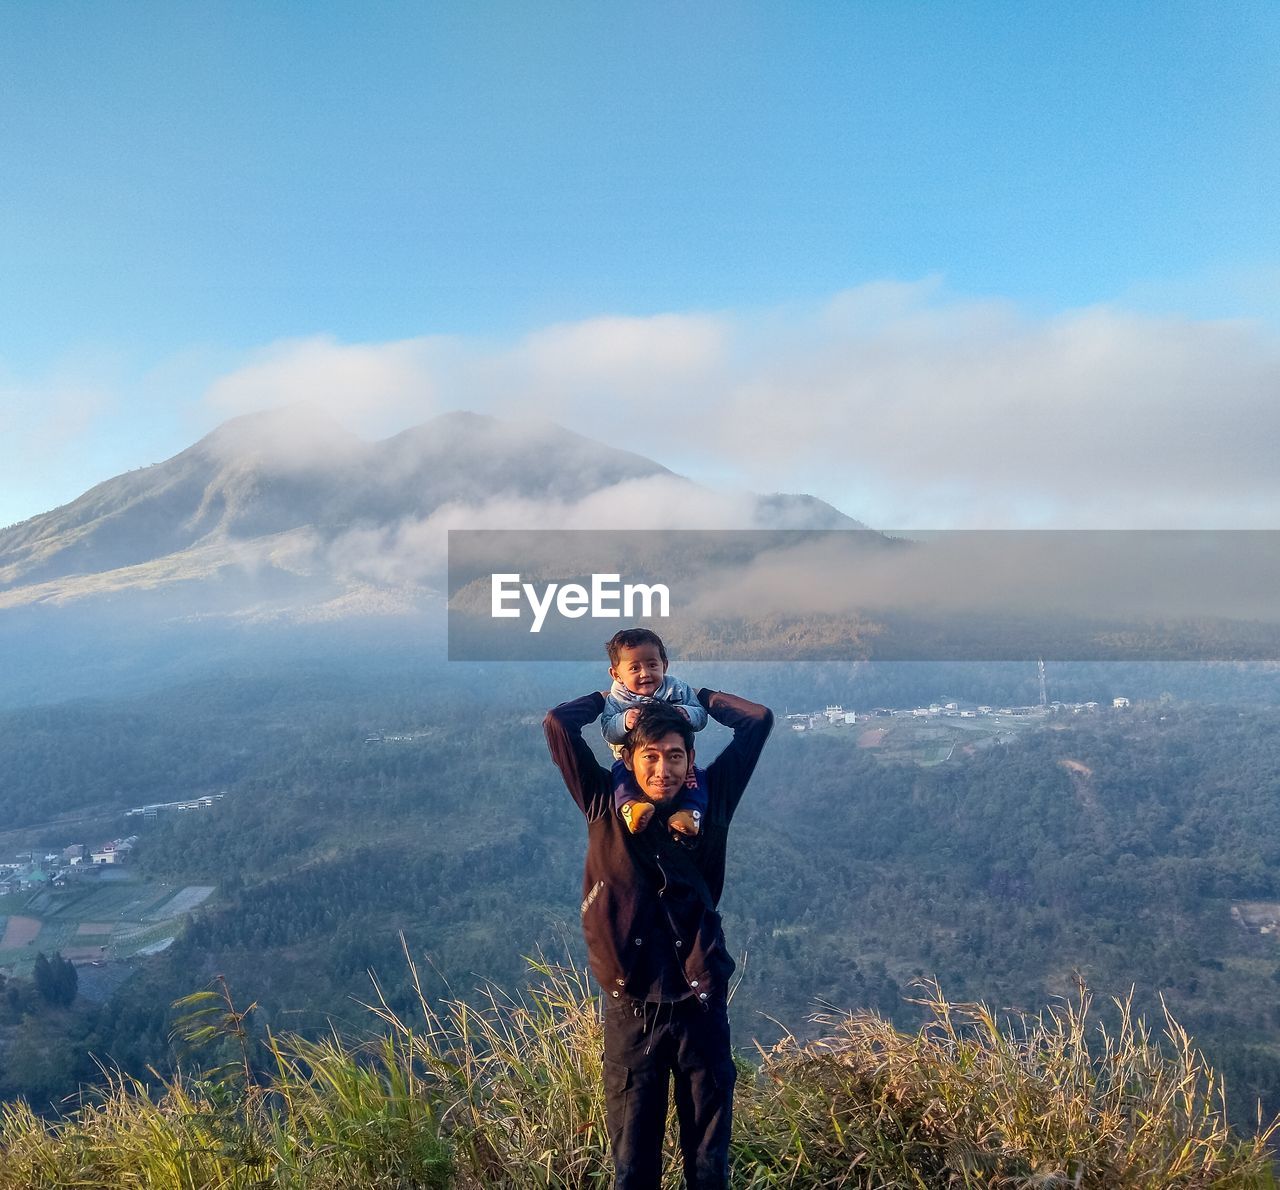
<point>629,719</point>
<point>684,712</point>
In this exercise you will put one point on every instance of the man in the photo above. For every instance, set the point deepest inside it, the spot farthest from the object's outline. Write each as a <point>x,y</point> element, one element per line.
<point>653,935</point>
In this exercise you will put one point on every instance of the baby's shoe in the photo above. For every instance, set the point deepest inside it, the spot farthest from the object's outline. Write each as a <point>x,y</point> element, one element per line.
<point>636,815</point>
<point>686,822</point>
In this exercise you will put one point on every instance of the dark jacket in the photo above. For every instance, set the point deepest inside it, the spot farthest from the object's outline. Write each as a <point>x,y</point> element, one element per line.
<point>650,887</point>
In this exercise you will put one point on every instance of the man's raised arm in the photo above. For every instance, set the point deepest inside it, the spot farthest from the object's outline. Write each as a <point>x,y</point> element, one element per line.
<point>586,780</point>
<point>751,723</point>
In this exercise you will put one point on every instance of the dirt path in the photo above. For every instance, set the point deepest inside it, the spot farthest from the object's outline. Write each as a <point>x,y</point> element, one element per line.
<point>1082,784</point>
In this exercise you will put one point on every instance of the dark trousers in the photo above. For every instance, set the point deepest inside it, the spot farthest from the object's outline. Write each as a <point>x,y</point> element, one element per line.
<point>644,1046</point>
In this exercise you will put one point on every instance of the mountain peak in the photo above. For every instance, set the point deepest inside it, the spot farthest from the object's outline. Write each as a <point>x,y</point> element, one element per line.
<point>289,435</point>
<point>295,473</point>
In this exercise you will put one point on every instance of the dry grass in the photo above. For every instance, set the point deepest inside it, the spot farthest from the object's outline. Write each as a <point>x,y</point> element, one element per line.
<point>506,1092</point>
<point>1048,1101</point>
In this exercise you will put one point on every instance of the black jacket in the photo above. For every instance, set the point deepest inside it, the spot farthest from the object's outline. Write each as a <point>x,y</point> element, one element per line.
<point>629,880</point>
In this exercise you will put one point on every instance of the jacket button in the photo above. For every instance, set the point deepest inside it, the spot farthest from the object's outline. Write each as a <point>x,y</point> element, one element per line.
<point>693,983</point>
<point>679,944</point>
<point>615,995</point>
<point>639,941</point>
<point>620,983</point>
<point>702,995</point>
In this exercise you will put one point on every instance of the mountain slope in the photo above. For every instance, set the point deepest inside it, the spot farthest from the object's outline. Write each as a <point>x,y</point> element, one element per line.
<point>294,502</point>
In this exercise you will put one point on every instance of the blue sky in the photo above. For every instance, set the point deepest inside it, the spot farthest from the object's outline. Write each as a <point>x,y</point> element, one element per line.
<point>191,190</point>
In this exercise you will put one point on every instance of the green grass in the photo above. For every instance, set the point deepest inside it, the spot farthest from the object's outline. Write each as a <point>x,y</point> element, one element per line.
<point>126,947</point>
<point>106,902</point>
<point>506,1092</point>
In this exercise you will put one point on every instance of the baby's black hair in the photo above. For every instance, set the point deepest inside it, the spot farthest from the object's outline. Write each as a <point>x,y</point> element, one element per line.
<point>630,638</point>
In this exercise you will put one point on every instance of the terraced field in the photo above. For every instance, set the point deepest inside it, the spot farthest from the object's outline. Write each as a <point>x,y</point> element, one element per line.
<point>933,740</point>
<point>94,920</point>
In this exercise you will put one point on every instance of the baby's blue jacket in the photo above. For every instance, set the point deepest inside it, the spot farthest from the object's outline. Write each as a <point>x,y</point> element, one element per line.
<point>620,700</point>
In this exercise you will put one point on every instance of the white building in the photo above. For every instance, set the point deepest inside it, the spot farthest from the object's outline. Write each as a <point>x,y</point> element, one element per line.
<point>115,852</point>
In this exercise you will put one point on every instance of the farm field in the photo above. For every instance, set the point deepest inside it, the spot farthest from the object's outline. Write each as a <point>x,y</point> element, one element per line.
<point>930,741</point>
<point>94,920</point>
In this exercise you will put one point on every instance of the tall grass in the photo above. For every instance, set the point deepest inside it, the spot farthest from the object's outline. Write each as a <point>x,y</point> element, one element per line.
<point>506,1092</point>
<point>1047,1101</point>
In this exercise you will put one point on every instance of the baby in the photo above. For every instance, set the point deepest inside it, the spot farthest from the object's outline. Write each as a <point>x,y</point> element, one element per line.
<point>638,667</point>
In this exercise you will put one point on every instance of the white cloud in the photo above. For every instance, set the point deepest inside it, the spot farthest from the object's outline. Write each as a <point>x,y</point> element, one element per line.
<point>967,413</point>
<point>416,551</point>
<point>608,361</point>
<point>904,405</point>
<point>49,415</point>
<point>46,429</point>
<point>408,380</point>
<point>347,380</point>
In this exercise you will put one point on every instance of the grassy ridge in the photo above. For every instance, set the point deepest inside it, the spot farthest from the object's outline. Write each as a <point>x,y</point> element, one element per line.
<point>507,1093</point>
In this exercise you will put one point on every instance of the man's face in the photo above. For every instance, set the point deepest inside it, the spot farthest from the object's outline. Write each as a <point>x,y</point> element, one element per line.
<point>660,768</point>
<point>640,668</point>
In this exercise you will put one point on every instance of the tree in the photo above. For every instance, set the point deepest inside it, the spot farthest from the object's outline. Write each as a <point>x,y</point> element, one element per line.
<point>43,976</point>
<point>56,979</point>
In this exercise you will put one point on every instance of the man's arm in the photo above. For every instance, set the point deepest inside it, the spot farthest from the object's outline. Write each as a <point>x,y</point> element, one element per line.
<point>586,780</point>
<point>728,774</point>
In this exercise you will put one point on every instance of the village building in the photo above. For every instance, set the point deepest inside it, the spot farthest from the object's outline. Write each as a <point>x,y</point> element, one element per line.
<point>115,852</point>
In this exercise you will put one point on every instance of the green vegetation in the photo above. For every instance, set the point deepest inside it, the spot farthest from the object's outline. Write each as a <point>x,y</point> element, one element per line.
<point>999,873</point>
<point>92,920</point>
<point>55,979</point>
<point>507,1093</point>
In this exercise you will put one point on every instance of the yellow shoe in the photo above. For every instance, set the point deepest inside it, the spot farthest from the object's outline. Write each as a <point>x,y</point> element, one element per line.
<point>686,822</point>
<point>636,815</point>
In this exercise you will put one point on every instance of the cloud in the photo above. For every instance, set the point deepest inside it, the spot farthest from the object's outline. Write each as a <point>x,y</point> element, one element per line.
<point>967,413</point>
<point>604,363</point>
<point>1107,576</point>
<point>46,427</point>
<point>416,551</point>
<point>48,416</point>
<point>347,380</point>
<point>903,404</point>
<point>599,358</point>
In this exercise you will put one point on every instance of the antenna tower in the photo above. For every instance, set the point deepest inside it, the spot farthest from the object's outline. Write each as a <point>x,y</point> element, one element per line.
<point>1044,698</point>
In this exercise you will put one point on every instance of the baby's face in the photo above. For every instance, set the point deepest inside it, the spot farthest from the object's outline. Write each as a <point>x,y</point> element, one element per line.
<point>639,669</point>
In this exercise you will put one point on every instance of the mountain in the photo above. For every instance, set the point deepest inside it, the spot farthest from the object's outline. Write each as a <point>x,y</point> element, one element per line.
<point>286,511</point>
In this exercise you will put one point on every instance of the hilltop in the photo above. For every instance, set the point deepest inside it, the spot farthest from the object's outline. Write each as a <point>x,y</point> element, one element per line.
<point>506,1092</point>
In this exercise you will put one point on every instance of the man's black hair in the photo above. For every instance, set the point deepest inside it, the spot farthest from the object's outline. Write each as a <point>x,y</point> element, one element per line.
<point>631,638</point>
<point>655,722</point>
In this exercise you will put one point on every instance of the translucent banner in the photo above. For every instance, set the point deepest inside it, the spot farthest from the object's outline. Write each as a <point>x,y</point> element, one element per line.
<point>776,595</point>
